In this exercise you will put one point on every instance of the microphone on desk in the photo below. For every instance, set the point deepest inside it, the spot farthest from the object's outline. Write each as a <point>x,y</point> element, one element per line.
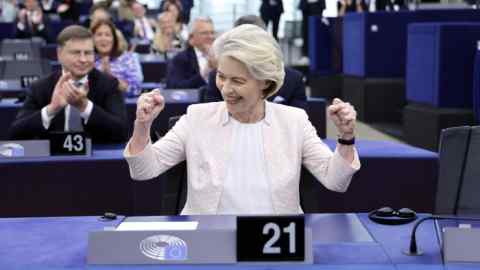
<point>413,248</point>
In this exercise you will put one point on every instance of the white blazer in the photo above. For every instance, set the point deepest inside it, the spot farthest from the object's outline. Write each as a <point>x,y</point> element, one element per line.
<point>203,137</point>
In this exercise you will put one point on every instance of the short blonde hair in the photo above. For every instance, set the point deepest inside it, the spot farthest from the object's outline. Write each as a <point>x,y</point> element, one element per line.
<point>257,50</point>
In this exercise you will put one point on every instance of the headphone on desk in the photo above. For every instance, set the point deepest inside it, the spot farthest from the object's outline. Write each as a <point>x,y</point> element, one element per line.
<point>388,216</point>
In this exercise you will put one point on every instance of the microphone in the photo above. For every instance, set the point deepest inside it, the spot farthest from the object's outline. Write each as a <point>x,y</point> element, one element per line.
<point>413,249</point>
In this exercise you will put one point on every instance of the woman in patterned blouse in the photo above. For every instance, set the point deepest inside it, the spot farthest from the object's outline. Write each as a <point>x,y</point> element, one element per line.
<point>123,65</point>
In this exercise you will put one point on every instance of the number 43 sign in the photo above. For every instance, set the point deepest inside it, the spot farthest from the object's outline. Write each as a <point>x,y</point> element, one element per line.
<point>276,238</point>
<point>68,143</point>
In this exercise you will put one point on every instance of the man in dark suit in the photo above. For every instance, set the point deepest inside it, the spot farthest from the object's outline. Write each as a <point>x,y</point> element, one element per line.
<point>271,10</point>
<point>78,90</point>
<point>292,91</point>
<point>190,68</point>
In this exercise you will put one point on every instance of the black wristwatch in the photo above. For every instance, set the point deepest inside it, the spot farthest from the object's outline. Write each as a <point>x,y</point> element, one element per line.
<point>346,142</point>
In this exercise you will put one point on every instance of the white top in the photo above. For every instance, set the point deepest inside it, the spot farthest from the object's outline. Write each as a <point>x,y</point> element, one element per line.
<point>246,189</point>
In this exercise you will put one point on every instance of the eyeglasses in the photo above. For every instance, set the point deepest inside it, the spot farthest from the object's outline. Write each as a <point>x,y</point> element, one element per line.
<point>206,33</point>
<point>389,216</point>
<point>78,53</point>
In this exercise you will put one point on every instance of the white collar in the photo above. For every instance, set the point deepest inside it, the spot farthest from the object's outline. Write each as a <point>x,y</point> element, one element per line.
<point>267,119</point>
<point>199,53</point>
<point>83,80</point>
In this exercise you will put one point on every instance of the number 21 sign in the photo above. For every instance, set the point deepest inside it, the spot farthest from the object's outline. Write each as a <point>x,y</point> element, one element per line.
<point>271,238</point>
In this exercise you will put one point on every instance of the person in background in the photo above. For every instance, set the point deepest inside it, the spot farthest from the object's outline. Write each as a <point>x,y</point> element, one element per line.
<point>124,10</point>
<point>100,12</point>
<point>144,28</point>
<point>114,60</point>
<point>68,10</point>
<point>347,6</point>
<point>31,22</point>
<point>77,91</point>
<point>244,154</point>
<point>165,39</point>
<point>185,6</point>
<point>190,67</point>
<point>292,91</point>
<point>97,12</point>
<point>181,29</point>
<point>8,11</point>
<point>271,11</point>
<point>48,6</point>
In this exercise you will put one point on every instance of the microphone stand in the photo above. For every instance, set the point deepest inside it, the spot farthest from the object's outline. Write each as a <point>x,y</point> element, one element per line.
<point>413,248</point>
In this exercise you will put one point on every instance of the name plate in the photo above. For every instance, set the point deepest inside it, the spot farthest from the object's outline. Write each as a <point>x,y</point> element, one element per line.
<point>21,56</point>
<point>161,247</point>
<point>271,238</point>
<point>27,80</point>
<point>24,149</point>
<point>69,143</point>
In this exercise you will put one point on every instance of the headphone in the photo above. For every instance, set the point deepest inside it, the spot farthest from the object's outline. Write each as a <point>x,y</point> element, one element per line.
<point>388,216</point>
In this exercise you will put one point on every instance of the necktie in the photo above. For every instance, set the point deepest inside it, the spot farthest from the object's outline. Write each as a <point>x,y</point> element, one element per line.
<point>74,120</point>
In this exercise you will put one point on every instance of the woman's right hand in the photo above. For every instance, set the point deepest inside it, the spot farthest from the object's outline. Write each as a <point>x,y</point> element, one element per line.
<point>149,105</point>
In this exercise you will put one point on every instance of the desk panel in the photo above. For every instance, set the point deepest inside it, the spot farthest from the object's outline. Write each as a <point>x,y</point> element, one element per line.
<point>403,176</point>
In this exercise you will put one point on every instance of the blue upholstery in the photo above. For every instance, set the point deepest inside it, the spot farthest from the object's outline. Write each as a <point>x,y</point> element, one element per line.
<point>476,86</point>
<point>375,43</point>
<point>354,44</point>
<point>7,30</point>
<point>56,27</point>
<point>437,51</point>
<point>320,45</point>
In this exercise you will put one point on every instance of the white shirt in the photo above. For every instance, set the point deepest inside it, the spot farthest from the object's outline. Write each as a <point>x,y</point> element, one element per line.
<point>246,188</point>
<point>372,6</point>
<point>145,27</point>
<point>85,115</point>
<point>202,60</point>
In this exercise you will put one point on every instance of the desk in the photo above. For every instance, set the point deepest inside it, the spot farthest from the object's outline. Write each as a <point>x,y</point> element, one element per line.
<point>61,243</point>
<point>177,102</point>
<point>392,174</point>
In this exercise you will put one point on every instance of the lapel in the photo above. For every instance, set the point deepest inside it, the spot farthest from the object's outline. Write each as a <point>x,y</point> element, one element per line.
<point>58,122</point>
<point>92,82</point>
<point>272,157</point>
<point>193,56</point>
<point>225,131</point>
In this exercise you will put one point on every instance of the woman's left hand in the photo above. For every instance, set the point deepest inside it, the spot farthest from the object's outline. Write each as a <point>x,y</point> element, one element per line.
<point>344,117</point>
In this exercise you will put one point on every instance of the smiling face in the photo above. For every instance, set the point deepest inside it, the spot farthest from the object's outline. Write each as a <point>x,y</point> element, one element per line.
<point>202,35</point>
<point>242,93</point>
<point>77,57</point>
<point>103,38</point>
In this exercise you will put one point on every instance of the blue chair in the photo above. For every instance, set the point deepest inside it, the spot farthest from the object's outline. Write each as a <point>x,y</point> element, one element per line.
<point>458,185</point>
<point>320,44</point>
<point>374,44</point>
<point>476,86</point>
<point>7,30</point>
<point>440,62</point>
